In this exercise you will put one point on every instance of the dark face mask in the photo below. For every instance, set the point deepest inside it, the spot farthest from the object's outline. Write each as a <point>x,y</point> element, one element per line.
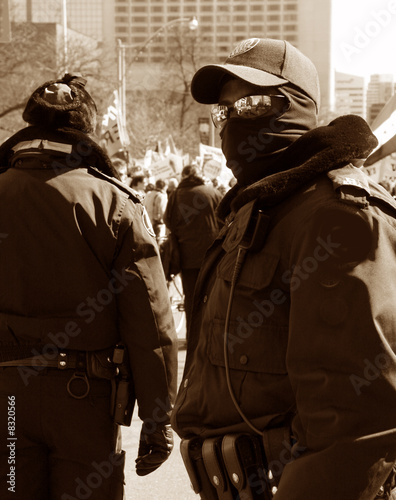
<point>253,147</point>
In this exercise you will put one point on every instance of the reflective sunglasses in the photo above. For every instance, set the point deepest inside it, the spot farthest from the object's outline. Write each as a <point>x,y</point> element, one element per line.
<point>251,106</point>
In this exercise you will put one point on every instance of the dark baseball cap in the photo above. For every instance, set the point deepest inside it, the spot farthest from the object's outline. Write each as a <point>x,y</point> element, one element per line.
<point>261,61</point>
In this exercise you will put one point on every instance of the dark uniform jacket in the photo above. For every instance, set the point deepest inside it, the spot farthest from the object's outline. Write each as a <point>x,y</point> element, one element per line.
<point>312,324</point>
<point>79,264</point>
<point>191,216</point>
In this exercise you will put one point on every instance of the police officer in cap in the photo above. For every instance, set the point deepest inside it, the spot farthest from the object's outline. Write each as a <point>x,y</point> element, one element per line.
<point>292,347</point>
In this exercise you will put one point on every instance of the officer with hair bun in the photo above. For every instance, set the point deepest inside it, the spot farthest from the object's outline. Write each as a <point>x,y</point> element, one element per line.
<point>85,321</point>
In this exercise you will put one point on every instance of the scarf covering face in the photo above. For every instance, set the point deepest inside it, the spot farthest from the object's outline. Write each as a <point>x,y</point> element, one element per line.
<point>316,152</point>
<point>253,147</point>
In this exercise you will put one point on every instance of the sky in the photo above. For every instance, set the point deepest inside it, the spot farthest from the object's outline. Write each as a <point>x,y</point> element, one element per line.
<point>364,36</point>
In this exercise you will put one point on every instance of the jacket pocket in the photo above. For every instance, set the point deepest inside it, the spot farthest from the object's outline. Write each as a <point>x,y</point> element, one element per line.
<point>251,348</point>
<point>257,270</point>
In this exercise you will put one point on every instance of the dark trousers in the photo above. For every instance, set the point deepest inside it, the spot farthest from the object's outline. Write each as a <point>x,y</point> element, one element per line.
<point>189,278</point>
<point>55,447</point>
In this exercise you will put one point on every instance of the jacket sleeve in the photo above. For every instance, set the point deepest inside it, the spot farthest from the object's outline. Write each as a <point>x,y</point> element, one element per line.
<point>144,315</point>
<point>341,354</point>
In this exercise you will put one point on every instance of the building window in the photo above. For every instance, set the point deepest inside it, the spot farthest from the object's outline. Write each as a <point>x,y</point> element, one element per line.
<point>291,7</point>
<point>290,17</point>
<point>274,18</point>
<point>273,7</point>
<point>290,27</point>
<point>240,19</point>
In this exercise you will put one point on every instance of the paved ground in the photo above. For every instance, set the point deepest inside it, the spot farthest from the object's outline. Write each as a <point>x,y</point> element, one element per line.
<point>170,481</point>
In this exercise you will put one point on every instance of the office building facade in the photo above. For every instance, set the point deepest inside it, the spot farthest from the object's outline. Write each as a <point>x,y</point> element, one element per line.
<point>222,23</point>
<point>350,94</point>
<point>93,18</point>
<point>379,90</point>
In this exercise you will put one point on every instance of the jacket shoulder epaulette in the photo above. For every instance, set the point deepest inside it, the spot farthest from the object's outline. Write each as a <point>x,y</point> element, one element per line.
<point>354,186</point>
<point>134,195</point>
<point>350,184</point>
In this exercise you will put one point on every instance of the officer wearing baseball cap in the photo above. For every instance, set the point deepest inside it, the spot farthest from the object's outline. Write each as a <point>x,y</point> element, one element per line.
<point>86,327</point>
<point>290,379</point>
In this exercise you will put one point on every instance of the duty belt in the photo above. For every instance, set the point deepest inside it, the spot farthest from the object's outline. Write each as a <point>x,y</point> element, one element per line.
<point>63,360</point>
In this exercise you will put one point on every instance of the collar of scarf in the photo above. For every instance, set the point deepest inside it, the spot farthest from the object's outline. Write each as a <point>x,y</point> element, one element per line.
<point>316,152</point>
<point>84,148</point>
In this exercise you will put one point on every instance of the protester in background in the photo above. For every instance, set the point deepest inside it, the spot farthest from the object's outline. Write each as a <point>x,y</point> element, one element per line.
<point>190,216</point>
<point>82,296</point>
<point>172,185</point>
<point>122,169</point>
<point>222,189</point>
<point>149,187</point>
<point>155,202</point>
<point>292,348</point>
<point>138,183</point>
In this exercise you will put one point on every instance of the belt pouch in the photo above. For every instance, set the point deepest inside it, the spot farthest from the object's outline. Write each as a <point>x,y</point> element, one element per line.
<point>214,464</point>
<point>191,452</point>
<point>243,458</point>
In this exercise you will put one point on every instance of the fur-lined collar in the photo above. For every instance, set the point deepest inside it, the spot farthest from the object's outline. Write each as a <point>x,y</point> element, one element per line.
<point>325,148</point>
<point>83,146</point>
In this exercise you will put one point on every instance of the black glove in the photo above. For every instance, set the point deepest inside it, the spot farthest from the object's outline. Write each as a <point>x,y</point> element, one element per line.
<point>154,448</point>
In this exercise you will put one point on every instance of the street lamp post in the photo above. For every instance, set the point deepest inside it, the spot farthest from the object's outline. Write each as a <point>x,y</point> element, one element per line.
<point>121,67</point>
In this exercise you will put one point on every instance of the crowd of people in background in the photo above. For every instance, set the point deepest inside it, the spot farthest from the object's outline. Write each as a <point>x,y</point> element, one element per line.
<point>187,207</point>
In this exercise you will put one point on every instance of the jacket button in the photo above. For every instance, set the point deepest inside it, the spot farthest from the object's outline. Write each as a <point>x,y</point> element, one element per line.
<point>185,384</point>
<point>205,299</point>
<point>243,359</point>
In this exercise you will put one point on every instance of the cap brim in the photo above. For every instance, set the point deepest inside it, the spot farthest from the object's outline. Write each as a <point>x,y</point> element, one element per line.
<point>206,83</point>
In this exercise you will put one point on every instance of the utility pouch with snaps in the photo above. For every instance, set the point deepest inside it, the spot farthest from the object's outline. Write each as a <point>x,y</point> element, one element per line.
<point>243,457</point>
<point>215,468</point>
<point>100,364</point>
<point>191,452</point>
